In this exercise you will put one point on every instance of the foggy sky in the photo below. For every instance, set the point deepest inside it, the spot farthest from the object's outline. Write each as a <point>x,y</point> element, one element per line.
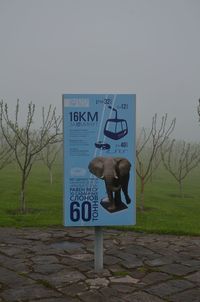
<point>147,47</point>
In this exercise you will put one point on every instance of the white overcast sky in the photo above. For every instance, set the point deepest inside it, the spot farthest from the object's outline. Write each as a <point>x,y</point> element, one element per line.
<point>147,47</point>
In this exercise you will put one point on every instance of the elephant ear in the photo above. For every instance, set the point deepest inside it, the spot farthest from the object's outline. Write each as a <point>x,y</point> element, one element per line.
<point>96,166</point>
<point>123,166</point>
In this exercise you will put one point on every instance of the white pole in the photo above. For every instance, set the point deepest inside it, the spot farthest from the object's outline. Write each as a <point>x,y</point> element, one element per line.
<point>98,249</point>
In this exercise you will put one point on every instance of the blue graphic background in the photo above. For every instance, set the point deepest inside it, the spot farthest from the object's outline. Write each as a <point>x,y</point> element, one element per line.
<point>81,132</point>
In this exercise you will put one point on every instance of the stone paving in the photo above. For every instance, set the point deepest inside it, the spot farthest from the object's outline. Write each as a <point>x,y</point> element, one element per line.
<point>57,265</point>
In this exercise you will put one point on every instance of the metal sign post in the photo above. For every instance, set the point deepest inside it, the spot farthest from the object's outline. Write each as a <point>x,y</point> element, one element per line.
<point>98,249</point>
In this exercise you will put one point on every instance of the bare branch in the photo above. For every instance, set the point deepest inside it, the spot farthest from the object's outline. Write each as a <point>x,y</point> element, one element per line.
<point>49,155</point>
<point>148,149</point>
<point>6,153</point>
<point>180,158</point>
<point>26,142</point>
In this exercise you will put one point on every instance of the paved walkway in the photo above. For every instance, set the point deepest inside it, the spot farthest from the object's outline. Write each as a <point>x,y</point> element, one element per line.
<point>56,265</point>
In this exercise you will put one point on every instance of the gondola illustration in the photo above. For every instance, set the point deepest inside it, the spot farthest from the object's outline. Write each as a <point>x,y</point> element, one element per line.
<point>101,145</point>
<point>115,128</point>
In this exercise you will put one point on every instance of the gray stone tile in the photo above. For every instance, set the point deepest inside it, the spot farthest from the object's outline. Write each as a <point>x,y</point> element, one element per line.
<point>139,250</point>
<point>110,260</point>
<point>192,295</point>
<point>124,280</point>
<point>194,278</point>
<point>97,282</point>
<point>168,288</point>
<point>64,277</point>
<point>176,269</point>
<point>142,297</point>
<point>74,289</point>
<point>28,292</point>
<point>92,274</point>
<point>20,265</point>
<point>13,279</point>
<point>132,263</point>
<point>109,291</point>
<point>92,296</point>
<point>124,289</point>
<point>41,259</point>
<point>158,261</point>
<point>12,251</point>
<point>155,277</point>
<point>48,268</point>
<point>192,263</point>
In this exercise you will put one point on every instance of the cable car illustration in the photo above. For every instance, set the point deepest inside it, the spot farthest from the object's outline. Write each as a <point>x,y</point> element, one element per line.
<point>101,145</point>
<point>115,128</point>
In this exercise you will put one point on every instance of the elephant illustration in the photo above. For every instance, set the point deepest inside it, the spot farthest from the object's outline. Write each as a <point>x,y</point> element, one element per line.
<point>115,173</point>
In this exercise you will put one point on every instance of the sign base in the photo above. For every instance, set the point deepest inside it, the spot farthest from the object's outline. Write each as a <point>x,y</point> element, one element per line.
<point>105,203</point>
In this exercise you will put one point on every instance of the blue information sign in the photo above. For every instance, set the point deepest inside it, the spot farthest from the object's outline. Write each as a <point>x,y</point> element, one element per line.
<point>99,159</point>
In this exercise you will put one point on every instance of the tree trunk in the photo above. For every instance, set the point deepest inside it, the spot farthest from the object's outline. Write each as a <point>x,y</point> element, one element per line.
<point>142,195</point>
<point>22,194</point>
<point>181,188</point>
<point>151,174</point>
<point>50,176</point>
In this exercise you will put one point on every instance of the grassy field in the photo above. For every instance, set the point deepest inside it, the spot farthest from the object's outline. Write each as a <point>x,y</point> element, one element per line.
<point>165,211</point>
<point>43,201</point>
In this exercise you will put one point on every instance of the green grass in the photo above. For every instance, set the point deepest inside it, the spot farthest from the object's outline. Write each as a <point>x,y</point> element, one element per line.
<point>165,212</point>
<point>43,201</point>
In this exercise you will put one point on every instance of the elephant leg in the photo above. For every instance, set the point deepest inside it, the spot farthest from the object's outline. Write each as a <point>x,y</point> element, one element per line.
<point>117,198</point>
<point>116,202</point>
<point>113,201</point>
<point>125,188</point>
<point>110,198</point>
<point>112,205</point>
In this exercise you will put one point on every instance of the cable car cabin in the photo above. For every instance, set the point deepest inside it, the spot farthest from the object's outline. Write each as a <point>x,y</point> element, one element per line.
<point>115,128</point>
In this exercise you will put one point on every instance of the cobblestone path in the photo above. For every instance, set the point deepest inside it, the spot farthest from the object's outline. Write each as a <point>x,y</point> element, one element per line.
<point>56,265</point>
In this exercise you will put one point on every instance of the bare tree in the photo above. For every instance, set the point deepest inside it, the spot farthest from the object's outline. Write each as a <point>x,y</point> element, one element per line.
<point>27,142</point>
<point>148,150</point>
<point>6,153</point>
<point>49,155</point>
<point>198,110</point>
<point>180,158</point>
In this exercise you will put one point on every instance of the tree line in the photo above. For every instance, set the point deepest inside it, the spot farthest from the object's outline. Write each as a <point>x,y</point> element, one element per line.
<point>155,146</point>
<point>26,144</point>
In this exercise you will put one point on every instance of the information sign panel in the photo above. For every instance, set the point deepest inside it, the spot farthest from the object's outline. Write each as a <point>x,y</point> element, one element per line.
<point>99,159</point>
